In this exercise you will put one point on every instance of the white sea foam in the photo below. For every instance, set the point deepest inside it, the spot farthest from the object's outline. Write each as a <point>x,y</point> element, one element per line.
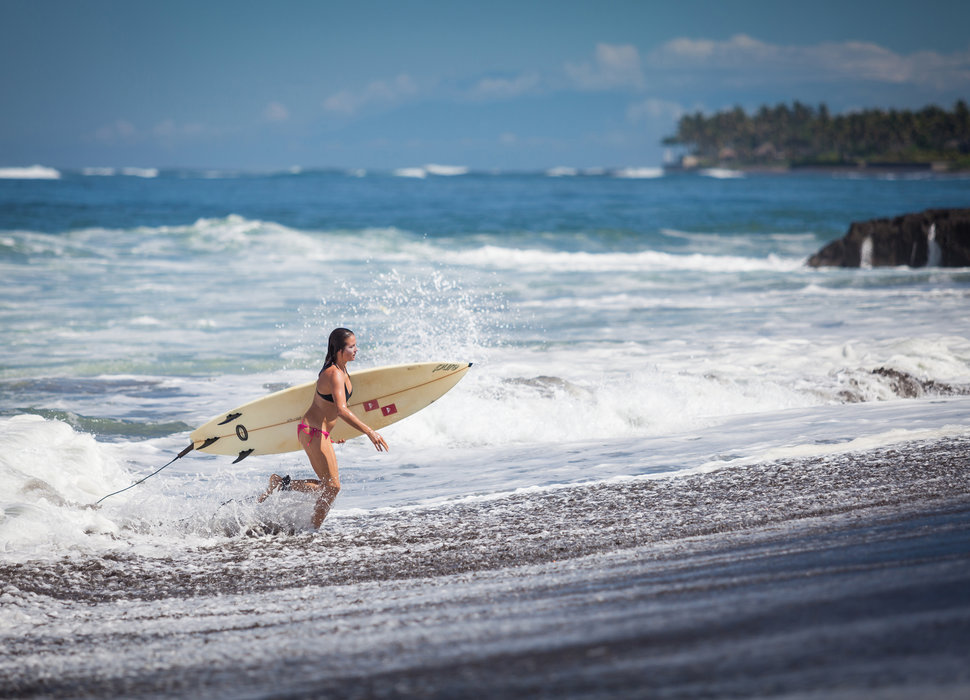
<point>628,290</point>
<point>55,473</point>
<point>247,237</point>
<point>213,174</point>
<point>99,172</point>
<point>722,173</point>
<point>558,261</point>
<point>859,444</point>
<point>518,420</point>
<point>47,511</point>
<point>33,172</point>
<point>140,172</point>
<point>638,173</point>
<point>51,475</point>
<point>417,173</point>
<point>145,321</point>
<point>562,172</point>
<point>446,170</point>
<point>432,477</point>
<point>935,253</point>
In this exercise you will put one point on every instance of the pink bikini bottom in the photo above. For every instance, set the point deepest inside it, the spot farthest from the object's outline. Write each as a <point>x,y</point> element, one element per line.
<point>311,431</point>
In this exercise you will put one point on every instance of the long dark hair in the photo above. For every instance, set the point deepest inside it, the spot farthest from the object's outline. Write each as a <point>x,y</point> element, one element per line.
<point>338,338</point>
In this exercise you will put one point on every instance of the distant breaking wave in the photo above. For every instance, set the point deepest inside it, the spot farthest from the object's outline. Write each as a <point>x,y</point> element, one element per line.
<point>516,258</point>
<point>416,173</point>
<point>446,170</point>
<point>639,173</point>
<point>562,172</point>
<point>140,172</point>
<point>722,173</point>
<point>243,237</point>
<point>432,169</point>
<point>33,172</point>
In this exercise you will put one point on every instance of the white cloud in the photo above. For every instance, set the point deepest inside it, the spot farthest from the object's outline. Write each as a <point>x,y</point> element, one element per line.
<point>379,92</point>
<point>169,130</point>
<point>500,88</point>
<point>698,51</point>
<point>119,131</point>
<point>654,108</point>
<point>276,112</point>
<point>165,129</point>
<point>166,132</point>
<point>614,66</point>
<point>746,59</point>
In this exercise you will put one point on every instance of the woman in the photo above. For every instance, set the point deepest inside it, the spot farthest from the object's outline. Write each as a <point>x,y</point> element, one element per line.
<point>333,390</point>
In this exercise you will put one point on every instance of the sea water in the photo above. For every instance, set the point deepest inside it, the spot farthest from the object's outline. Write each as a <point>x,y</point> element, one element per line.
<point>620,328</point>
<point>598,312</point>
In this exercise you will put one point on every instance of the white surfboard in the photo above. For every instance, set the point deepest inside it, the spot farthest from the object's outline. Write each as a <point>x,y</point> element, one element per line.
<point>382,396</point>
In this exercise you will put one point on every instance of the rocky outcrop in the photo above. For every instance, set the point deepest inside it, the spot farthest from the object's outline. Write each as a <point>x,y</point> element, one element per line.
<point>935,238</point>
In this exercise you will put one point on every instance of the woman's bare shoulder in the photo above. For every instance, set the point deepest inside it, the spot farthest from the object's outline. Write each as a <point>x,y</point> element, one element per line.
<point>331,374</point>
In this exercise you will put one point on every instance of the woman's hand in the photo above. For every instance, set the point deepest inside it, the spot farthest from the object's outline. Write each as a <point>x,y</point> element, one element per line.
<point>378,441</point>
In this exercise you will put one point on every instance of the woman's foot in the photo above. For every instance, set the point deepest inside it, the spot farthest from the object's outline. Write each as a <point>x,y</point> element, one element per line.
<point>275,482</point>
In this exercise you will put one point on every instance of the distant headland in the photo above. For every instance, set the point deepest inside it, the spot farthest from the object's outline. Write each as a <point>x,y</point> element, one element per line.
<point>800,136</point>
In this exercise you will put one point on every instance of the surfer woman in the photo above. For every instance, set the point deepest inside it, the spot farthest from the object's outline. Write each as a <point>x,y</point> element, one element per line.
<point>329,403</point>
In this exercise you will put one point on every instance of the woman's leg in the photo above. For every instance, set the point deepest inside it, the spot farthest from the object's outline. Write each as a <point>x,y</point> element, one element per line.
<point>301,485</point>
<point>274,483</point>
<point>323,459</point>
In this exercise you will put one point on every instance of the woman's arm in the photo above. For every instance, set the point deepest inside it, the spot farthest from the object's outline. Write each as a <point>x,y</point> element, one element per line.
<point>336,381</point>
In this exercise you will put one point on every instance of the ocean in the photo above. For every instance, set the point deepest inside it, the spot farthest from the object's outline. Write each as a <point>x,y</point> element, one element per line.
<point>683,463</point>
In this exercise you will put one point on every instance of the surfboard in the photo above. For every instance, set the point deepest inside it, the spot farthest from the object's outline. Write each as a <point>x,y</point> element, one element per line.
<point>382,396</point>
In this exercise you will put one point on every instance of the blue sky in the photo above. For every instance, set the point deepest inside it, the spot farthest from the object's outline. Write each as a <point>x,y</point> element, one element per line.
<point>491,84</point>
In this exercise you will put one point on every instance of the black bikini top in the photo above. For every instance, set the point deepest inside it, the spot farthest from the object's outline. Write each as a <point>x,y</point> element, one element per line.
<point>329,397</point>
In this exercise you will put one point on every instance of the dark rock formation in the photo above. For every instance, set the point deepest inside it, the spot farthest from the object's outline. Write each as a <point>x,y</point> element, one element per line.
<point>902,384</point>
<point>936,237</point>
<point>907,386</point>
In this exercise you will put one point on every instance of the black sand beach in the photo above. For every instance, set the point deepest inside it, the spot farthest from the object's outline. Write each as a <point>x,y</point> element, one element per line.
<point>842,576</point>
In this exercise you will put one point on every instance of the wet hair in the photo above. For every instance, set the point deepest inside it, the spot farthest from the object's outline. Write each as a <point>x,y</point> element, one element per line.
<point>337,342</point>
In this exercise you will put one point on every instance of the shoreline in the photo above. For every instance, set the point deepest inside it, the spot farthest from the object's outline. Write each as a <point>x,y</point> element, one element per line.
<point>524,528</point>
<point>930,169</point>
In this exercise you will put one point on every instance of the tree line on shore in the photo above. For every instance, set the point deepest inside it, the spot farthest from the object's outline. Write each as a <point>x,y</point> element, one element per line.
<point>803,135</point>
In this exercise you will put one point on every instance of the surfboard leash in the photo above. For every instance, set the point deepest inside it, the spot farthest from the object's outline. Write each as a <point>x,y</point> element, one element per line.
<point>177,457</point>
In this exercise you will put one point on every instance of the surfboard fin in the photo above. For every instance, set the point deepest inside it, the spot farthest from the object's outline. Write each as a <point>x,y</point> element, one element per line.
<point>242,456</point>
<point>230,418</point>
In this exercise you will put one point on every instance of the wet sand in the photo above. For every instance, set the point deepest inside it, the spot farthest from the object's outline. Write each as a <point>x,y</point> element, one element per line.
<point>845,576</point>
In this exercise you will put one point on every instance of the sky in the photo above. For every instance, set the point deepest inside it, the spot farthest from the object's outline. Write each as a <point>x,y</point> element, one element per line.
<point>494,84</point>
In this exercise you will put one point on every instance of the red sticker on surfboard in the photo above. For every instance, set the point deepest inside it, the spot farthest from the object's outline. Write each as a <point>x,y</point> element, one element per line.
<point>370,405</point>
<point>388,410</point>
